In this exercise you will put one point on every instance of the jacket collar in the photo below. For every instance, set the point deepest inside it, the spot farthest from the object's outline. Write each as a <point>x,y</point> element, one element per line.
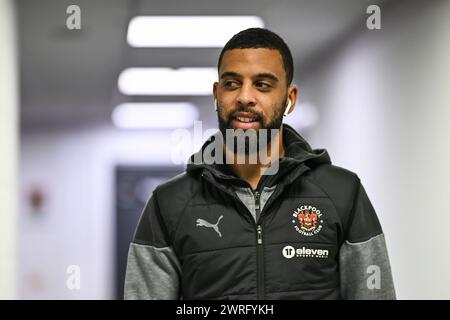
<point>299,157</point>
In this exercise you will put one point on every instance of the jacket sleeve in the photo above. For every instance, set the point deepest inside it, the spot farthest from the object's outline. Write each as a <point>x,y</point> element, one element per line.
<point>364,267</point>
<point>153,270</point>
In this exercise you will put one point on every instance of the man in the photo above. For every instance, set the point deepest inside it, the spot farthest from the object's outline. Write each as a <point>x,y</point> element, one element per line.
<point>236,230</point>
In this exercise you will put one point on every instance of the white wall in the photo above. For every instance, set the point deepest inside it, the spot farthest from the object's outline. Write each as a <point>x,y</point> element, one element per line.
<point>8,150</point>
<point>384,104</point>
<point>75,170</point>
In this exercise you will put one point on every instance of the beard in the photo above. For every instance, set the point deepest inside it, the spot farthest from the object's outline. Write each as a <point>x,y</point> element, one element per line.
<point>268,124</point>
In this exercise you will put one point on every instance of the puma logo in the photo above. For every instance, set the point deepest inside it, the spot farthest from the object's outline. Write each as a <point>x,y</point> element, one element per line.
<point>204,223</point>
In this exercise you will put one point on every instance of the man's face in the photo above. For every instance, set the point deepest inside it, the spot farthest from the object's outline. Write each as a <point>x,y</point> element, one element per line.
<point>252,90</point>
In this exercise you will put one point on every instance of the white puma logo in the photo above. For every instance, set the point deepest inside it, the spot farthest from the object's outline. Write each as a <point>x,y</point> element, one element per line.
<point>204,223</point>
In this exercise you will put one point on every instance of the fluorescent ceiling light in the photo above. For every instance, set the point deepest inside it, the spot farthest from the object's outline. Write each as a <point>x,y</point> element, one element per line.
<point>161,115</point>
<point>187,31</point>
<point>167,81</point>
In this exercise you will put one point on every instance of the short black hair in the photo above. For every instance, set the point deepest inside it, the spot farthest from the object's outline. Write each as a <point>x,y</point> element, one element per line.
<point>254,38</point>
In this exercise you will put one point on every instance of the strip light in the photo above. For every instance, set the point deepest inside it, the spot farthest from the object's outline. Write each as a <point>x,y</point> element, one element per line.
<point>167,81</point>
<point>161,115</point>
<point>187,31</point>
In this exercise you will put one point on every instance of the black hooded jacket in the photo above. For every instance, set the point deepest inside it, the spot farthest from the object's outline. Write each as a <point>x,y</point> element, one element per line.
<point>307,232</point>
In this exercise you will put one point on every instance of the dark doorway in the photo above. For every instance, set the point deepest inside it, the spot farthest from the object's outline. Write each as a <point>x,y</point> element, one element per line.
<point>134,185</point>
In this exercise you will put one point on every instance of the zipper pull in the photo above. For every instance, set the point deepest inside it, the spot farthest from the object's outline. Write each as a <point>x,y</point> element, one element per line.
<point>259,230</point>
<point>256,200</point>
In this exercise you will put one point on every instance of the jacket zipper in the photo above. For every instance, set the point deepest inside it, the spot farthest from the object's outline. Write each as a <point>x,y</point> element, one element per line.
<point>259,251</point>
<point>260,287</point>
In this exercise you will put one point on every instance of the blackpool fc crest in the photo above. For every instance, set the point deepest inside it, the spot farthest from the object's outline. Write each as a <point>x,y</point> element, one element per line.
<point>307,220</point>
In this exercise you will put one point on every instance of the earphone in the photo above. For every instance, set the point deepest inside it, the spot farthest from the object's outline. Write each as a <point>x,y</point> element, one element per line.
<point>215,105</point>
<point>288,107</point>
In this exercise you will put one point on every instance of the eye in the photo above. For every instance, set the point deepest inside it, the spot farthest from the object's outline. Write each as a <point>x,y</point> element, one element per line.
<point>231,84</point>
<point>263,85</point>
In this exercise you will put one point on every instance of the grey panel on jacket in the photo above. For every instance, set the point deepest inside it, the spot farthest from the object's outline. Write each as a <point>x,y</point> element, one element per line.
<point>365,272</point>
<point>248,198</point>
<point>152,273</point>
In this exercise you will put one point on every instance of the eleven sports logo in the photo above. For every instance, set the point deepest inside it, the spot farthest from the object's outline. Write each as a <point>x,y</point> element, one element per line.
<point>290,252</point>
<point>307,220</point>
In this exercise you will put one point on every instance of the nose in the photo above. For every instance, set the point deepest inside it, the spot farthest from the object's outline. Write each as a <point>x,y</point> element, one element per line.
<point>246,97</point>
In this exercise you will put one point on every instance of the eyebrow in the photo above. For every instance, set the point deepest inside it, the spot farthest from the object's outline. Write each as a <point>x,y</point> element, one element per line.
<point>259,75</point>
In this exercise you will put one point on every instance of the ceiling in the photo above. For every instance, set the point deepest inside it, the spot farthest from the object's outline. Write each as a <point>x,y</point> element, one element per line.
<point>69,77</point>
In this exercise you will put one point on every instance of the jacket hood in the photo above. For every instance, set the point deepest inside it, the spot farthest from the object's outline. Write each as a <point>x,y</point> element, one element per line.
<point>297,149</point>
<point>299,157</point>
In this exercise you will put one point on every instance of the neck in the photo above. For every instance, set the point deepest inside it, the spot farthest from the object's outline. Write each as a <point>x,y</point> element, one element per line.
<point>252,172</point>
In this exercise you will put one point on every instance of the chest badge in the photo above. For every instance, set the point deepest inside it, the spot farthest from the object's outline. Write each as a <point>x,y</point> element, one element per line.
<point>307,220</point>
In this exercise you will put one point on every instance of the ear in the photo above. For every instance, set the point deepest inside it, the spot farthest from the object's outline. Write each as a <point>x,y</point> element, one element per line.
<point>292,98</point>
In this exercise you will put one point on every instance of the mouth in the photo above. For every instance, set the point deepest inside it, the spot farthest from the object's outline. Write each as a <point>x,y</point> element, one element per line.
<point>245,120</point>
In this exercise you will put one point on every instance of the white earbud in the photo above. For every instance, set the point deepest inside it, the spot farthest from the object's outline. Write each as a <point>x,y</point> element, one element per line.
<point>288,107</point>
<point>215,105</point>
